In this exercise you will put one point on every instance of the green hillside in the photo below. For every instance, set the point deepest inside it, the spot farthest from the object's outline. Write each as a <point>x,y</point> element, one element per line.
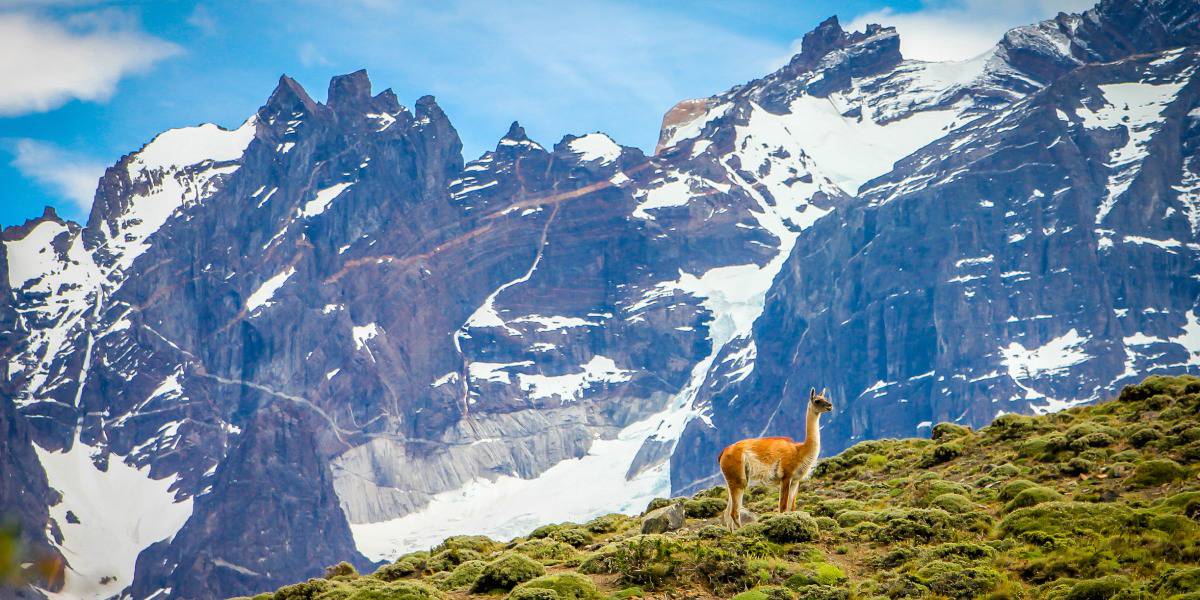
<point>1091,503</point>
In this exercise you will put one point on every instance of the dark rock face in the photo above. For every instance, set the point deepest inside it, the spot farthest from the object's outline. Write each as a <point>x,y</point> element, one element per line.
<point>285,492</point>
<point>327,317</point>
<point>24,494</point>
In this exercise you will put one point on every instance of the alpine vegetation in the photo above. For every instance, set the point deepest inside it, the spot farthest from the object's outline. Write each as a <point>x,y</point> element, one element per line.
<point>1071,505</point>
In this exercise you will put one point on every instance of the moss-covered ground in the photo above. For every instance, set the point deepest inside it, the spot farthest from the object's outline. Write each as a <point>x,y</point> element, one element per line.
<point>1095,502</point>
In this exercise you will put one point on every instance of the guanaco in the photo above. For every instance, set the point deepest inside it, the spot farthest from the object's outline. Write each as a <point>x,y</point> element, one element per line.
<point>773,460</point>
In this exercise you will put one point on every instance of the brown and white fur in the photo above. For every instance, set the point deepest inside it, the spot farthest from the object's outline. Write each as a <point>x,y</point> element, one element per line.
<point>773,460</point>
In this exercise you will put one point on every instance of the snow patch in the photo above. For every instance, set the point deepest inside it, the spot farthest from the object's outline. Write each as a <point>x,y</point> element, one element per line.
<point>600,369</point>
<point>853,151</point>
<point>1138,107</point>
<point>121,511</point>
<point>323,199</point>
<point>32,256</point>
<point>595,147</point>
<point>572,490</point>
<point>363,334</point>
<point>1052,358</point>
<point>265,292</point>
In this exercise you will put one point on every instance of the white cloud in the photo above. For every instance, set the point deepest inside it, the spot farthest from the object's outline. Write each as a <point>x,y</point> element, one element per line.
<point>44,63</point>
<point>311,56</point>
<point>202,20</point>
<point>961,29</point>
<point>66,174</point>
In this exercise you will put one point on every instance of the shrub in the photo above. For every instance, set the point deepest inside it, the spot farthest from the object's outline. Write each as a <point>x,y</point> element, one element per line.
<point>770,592</point>
<point>827,524</point>
<point>1177,581</point>
<point>403,567</point>
<point>506,572</point>
<point>703,508</point>
<point>722,570</point>
<point>1088,428</point>
<point>463,575</point>
<point>1066,518</point>
<point>790,527</point>
<point>957,581</point>
<point>941,453</point>
<point>446,560</point>
<point>573,536</point>
<point>821,573</point>
<point>1148,387</point>
<point>1098,589</point>
<point>1156,472</point>
<point>533,594</point>
<point>1005,470</point>
<point>545,530</point>
<point>342,569</point>
<point>408,590</point>
<point>922,524</point>
<point>953,503</point>
<point>931,488</point>
<point>398,590</point>
<point>567,586</point>
<point>302,591</point>
<point>647,559</point>
<point>961,552</point>
<point>1013,426</point>
<point>825,592</point>
<point>849,518</point>
<point>712,532</point>
<point>477,543</point>
<point>876,462</point>
<point>830,508</point>
<point>844,464</point>
<point>629,592</point>
<point>656,504</point>
<point>1098,439</point>
<point>606,523</point>
<point>1031,497</point>
<point>1010,490</point>
<point>1144,436</point>
<point>1077,466</point>
<point>545,549</point>
<point>943,431</point>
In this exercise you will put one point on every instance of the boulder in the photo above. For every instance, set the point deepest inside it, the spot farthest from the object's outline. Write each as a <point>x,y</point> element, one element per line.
<point>662,520</point>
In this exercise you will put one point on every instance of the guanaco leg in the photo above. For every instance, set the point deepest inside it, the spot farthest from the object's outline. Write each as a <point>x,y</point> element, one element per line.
<point>786,492</point>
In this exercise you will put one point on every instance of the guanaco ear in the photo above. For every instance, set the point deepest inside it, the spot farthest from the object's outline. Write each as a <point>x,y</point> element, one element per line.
<point>825,393</point>
<point>812,393</point>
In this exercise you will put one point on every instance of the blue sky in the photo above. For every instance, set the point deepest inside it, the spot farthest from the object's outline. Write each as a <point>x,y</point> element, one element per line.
<point>85,81</point>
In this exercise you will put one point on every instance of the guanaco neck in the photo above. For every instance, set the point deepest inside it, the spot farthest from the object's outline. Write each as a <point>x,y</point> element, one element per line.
<point>812,431</point>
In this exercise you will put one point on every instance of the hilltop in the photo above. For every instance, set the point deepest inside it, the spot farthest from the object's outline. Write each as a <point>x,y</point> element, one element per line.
<point>1099,501</point>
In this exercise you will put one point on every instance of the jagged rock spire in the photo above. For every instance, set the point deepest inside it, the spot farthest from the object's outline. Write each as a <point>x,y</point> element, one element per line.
<point>349,92</point>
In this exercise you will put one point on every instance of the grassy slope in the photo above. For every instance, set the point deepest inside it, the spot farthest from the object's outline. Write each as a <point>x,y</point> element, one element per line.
<point>1094,502</point>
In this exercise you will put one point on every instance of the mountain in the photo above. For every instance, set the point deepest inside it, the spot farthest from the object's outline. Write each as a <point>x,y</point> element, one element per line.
<point>1029,260</point>
<point>325,319</point>
<point>1093,502</point>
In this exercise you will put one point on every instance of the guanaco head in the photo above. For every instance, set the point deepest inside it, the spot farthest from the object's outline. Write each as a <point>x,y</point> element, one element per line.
<point>819,402</point>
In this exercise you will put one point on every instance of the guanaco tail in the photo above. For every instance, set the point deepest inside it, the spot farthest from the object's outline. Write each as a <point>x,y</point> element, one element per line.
<point>773,460</point>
